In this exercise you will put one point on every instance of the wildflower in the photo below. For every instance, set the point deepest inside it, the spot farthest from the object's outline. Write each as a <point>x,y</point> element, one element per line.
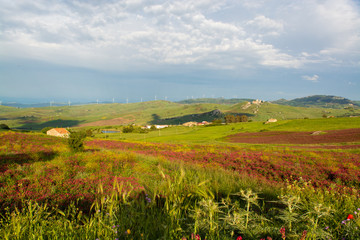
<point>269,238</point>
<point>350,216</point>
<point>128,232</point>
<point>239,238</point>
<point>343,222</point>
<point>303,236</point>
<point>197,237</point>
<point>327,227</point>
<point>282,231</point>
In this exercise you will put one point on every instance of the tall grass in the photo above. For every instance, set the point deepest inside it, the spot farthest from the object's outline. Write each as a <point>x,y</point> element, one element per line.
<point>120,194</point>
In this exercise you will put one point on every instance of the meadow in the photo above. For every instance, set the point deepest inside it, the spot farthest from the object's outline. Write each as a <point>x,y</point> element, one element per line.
<point>217,134</point>
<point>179,183</point>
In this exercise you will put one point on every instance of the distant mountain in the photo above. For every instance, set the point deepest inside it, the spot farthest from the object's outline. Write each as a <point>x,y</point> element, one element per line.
<point>319,101</point>
<point>216,100</point>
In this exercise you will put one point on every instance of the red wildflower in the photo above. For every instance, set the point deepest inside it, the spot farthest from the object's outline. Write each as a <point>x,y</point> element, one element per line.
<point>239,238</point>
<point>282,231</point>
<point>350,216</point>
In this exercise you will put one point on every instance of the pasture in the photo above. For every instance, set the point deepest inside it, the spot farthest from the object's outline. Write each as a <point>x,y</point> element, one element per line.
<point>181,183</point>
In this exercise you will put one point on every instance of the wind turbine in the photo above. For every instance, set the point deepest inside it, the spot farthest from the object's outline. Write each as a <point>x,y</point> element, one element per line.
<point>69,103</point>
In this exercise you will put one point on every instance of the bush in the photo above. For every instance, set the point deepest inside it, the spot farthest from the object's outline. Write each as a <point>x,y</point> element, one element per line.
<point>128,129</point>
<point>45,129</point>
<point>76,141</point>
<point>4,126</point>
<point>89,133</point>
<point>216,122</point>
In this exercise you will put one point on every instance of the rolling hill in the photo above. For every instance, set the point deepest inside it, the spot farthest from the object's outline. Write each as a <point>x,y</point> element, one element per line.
<point>323,101</point>
<point>216,100</point>
<point>155,112</point>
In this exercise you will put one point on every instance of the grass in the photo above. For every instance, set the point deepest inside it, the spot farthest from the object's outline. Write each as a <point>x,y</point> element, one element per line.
<point>147,188</point>
<point>148,112</point>
<point>215,134</point>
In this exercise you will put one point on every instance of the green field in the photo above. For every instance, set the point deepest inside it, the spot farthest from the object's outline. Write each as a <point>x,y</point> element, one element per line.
<point>215,134</point>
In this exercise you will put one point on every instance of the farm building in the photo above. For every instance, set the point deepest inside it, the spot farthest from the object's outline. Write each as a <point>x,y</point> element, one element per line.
<point>58,132</point>
<point>271,120</point>
<point>190,124</point>
<point>157,126</point>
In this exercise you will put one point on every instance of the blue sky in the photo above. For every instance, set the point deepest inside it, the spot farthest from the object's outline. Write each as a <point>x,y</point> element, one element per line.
<point>134,49</point>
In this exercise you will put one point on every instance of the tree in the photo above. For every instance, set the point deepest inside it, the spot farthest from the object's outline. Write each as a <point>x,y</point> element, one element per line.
<point>76,141</point>
<point>243,118</point>
<point>229,118</point>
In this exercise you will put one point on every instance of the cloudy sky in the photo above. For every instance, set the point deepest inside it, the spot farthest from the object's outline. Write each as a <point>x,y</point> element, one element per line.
<point>83,50</point>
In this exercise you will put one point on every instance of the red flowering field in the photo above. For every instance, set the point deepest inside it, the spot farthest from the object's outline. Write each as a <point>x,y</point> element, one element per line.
<point>40,168</point>
<point>284,137</point>
<point>323,168</point>
<point>163,183</point>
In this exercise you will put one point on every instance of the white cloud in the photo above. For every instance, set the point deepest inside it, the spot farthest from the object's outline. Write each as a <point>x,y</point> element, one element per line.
<point>119,34</point>
<point>262,23</point>
<point>314,78</point>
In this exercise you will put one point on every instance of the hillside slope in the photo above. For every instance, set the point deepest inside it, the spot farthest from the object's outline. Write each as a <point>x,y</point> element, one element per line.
<point>154,112</point>
<point>323,101</point>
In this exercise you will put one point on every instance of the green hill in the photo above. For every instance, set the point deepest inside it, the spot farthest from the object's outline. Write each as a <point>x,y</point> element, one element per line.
<point>216,100</point>
<point>155,112</point>
<point>323,101</point>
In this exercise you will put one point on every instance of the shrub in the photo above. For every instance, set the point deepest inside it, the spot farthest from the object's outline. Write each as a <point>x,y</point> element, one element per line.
<point>128,129</point>
<point>45,129</point>
<point>89,133</point>
<point>76,141</point>
<point>4,126</point>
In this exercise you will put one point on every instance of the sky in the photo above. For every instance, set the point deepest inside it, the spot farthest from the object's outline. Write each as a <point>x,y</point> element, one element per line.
<point>133,50</point>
